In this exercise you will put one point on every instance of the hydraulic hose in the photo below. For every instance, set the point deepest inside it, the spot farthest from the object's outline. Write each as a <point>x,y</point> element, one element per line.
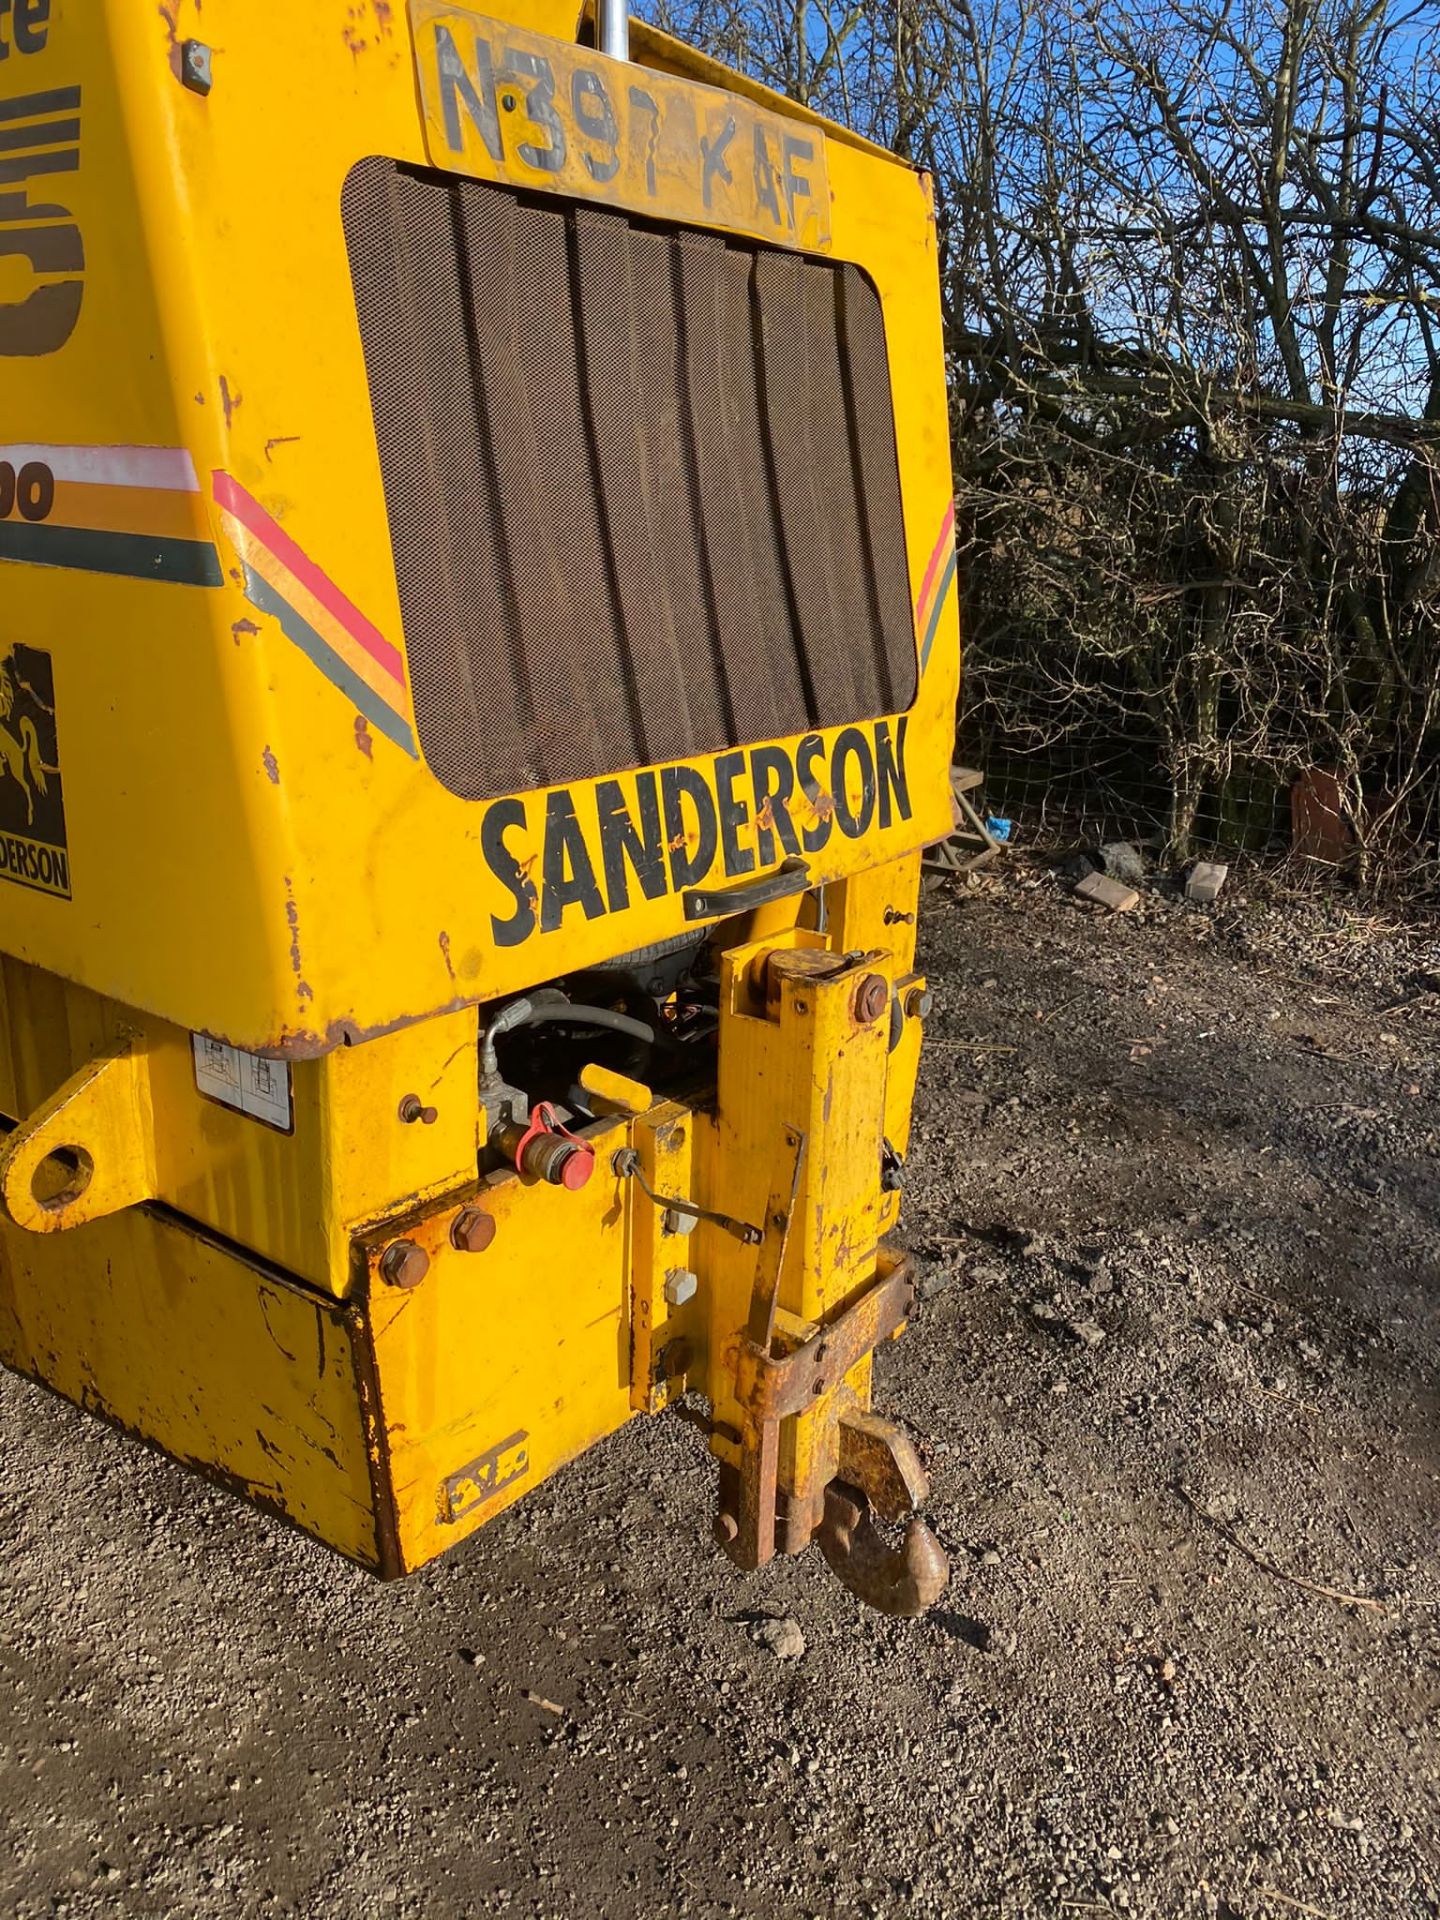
<point>548,1003</point>
<point>594,1017</point>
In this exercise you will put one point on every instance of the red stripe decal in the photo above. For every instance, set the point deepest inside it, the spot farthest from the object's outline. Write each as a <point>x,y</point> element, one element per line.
<point>230,495</point>
<point>946,528</point>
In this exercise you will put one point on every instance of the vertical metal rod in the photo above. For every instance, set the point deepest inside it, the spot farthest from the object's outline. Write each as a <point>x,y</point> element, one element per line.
<point>612,28</point>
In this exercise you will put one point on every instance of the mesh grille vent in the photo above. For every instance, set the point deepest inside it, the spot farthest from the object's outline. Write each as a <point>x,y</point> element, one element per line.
<point>642,487</point>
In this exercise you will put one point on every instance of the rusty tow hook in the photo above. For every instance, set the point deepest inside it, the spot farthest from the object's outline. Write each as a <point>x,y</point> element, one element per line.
<point>905,1580</point>
<point>881,1473</point>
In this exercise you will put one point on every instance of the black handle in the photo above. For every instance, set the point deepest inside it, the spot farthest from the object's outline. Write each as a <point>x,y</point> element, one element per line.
<point>708,903</point>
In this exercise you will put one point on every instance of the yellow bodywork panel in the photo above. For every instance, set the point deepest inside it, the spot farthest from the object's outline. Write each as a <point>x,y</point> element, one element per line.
<point>504,1364</point>
<point>389,1430</point>
<point>240,837</point>
<point>229,1367</point>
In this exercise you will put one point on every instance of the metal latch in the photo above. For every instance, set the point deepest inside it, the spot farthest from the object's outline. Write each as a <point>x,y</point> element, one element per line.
<point>626,1163</point>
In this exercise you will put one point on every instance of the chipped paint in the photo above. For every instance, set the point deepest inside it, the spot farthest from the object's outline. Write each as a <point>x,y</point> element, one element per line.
<point>292,914</point>
<point>362,737</point>
<point>271,765</point>
<point>229,401</point>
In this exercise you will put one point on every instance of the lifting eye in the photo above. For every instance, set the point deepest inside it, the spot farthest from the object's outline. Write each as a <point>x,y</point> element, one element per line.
<point>61,1177</point>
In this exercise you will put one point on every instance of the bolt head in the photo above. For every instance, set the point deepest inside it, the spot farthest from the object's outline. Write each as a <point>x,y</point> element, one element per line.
<point>727,1527</point>
<point>403,1264</point>
<point>918,1003</point>
<point>872,998</point>
<point>472,1230</point>
<point>680,1286</point>
<point>195,70</point>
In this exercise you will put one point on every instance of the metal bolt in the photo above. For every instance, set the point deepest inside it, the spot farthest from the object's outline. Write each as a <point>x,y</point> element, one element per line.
<point>918,1003</point>
<point>403,1264</point>
<point>680,1286</point>
<point>413,1108</point>
<point>472,1230</point>
<point>673,1221</point>
<point>727,1527</point>
<point>872,997</point>
<point>195,66</point>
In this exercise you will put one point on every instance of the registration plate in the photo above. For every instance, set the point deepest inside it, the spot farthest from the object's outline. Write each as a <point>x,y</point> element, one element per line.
<point>528,111</point>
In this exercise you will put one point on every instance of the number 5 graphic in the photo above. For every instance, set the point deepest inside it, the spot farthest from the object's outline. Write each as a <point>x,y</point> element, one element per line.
<point>45,236</point>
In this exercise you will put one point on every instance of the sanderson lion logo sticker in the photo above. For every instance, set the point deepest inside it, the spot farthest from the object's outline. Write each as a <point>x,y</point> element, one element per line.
<point>33,848</point>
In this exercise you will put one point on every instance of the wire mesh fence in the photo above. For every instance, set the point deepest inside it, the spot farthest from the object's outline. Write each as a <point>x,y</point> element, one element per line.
<point>1220,664</point>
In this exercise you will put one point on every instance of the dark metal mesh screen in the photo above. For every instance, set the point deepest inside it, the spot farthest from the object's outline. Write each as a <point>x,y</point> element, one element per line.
<point>642,487</point>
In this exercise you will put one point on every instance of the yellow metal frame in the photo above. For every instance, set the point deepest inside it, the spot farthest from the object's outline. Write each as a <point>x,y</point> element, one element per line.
<point>393,1422</point>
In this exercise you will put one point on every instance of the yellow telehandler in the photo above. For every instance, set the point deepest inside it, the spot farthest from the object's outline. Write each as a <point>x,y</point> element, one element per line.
<point>478,657</point>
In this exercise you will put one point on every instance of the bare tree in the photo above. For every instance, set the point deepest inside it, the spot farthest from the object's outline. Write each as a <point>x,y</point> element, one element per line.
<point>1191,273</point>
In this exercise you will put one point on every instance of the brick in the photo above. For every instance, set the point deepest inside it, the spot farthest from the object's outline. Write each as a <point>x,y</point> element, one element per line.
<point>1207,877</point>
<point>1106,892</point>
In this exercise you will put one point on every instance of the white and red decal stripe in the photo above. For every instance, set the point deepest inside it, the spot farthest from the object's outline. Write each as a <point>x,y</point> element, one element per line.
<point>161,469</point>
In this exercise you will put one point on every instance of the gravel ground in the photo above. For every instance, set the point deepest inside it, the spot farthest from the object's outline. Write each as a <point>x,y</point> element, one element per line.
<point>1174,1197</point>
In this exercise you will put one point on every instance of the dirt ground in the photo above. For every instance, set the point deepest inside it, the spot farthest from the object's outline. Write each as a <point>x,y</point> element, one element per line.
<point>1176,1202</point>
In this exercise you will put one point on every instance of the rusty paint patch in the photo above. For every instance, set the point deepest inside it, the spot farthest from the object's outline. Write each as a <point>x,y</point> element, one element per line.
<point>384,15</point>
<point>445,955</point>
<point>239,629</point>
<point>310,1043</point>
<point>170,18</point>
<point>292,914</point>
<point>272,766</point>
<point>362,737</point>
<point>280,440</point>
<point>229,401</point>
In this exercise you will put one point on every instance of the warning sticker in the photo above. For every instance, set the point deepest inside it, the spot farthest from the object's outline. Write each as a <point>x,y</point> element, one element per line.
<point>259,1088</point>
<point>33,849</point>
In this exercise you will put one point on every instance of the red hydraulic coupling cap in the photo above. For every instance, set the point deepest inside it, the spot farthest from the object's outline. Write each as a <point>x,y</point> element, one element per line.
<point>548,1151</point>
